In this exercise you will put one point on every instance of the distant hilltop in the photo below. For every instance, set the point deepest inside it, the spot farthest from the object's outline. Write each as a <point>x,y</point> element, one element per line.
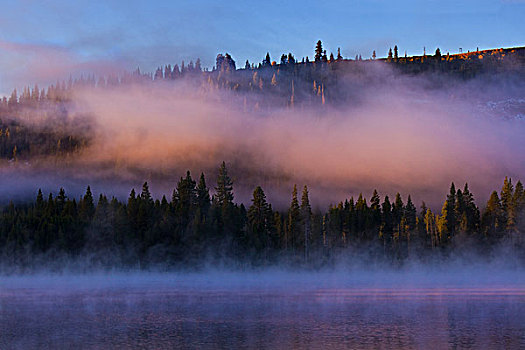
<point>292,81</point>
<point>306,85</point>
<point>500,53</point>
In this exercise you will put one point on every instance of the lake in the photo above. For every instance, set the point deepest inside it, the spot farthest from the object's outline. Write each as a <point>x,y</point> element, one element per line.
<point>272,310</point>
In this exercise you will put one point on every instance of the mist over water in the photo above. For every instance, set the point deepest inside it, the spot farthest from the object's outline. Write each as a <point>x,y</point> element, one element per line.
<point>475,308</point>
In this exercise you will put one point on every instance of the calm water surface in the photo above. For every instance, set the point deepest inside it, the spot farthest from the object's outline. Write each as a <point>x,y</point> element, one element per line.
<point>251,311</point>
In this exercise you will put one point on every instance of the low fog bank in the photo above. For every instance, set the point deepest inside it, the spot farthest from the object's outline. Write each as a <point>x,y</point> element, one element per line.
<point>482,276</point>
<point>395,133</point>
<point>465,257</point>
<point>397,138</point>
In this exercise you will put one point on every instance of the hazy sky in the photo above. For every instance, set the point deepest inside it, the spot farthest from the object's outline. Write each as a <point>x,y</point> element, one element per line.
<point>43,40</point>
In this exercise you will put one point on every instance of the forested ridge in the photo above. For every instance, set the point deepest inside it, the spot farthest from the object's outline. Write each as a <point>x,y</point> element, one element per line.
<point>41,121</point>
<point>200,224</point>
<point>194,227</point>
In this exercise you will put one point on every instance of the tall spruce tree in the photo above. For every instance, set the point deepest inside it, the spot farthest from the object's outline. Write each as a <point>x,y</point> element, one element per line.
<point>294,217</point>
<point>506,195</point>
<point>306,220</point>
<point>375,212</point>
<point>203,195</point>
<point>259,218</point>
<point>318,51</point>
<point>87,207</point>
<point>493,218</point>
<point>448,215</point>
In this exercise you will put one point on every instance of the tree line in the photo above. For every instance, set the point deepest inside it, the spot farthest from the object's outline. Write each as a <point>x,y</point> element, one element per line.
<point>194,227</point>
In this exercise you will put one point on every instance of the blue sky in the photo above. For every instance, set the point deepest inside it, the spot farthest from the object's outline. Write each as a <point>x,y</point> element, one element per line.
<point>41,41</point>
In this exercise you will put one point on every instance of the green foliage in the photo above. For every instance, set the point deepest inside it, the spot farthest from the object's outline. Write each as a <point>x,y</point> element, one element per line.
<point>191,228</point>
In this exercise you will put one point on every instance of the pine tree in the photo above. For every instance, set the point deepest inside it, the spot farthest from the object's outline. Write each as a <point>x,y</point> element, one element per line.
<point>387,222</point>
<point>410,214</point>
<point>471,211</point>
<point>375,212</point>
<point>60,200</point>
<point>87,207</point>
<point>145,195</point>
<point>223,202</point>
<point>198,66</point>
<point>318,51</point>
<point>339,57</point>
<point>291,59</point>
<point>448,217</point>
<point>506,196</point>
<point>224,189</point>
<point>203,195</point>
<point>294,216</point>
<point>267,60</point>
<point>186,200</point>
<point>517,213</point>
<point>259,215</point>
<point>431,228</point>
<point>361,214</point>
<point>397,213</point>
<point>284,59</point>
<point>493,218</point>
<point>306,220</point>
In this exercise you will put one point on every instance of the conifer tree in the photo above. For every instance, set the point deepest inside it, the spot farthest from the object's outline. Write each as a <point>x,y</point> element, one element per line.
<point>267,60</point>
<point>448,216</point>
<point>471,211</point>
<point>431,228</point>
<point>375,211</point>
<point>361,214</point>
<point>397,213</point>
<point>517,214</point>
<point>306,220</point>
<point>410,214</point>
<point>224,189</point>
<point>186,200</point>
<point>291,59</point>
<point>223,202</point>
<point>87,207</point>
<point>203,195</point>
<point>259,216</point>
<point>387,222</point>
<point>506,196</point>
<point>493,219</point>
<point>294,216</point>
<point>145,195</point>
<point>318,51</point>
<point>39,200</point>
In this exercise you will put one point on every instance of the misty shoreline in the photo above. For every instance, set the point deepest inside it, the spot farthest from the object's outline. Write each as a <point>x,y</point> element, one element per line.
<point>276,279</point>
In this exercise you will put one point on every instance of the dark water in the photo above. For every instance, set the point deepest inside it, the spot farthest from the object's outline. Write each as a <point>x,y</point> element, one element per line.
<point>163,312</point>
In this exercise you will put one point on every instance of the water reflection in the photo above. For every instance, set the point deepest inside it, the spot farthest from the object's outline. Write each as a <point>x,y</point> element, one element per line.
<point>170,317</point>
